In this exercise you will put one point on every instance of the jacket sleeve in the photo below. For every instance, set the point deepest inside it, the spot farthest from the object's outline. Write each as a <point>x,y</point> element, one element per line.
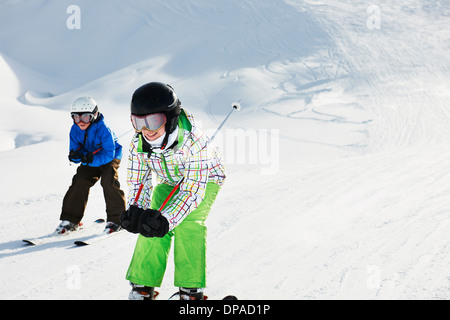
<point>106,148</point>
<point>137,168</point>
<point>74,144</point>
<point>192,189</point>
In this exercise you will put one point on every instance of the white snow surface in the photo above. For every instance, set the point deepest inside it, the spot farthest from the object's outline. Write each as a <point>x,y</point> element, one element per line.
<point>338,180</point>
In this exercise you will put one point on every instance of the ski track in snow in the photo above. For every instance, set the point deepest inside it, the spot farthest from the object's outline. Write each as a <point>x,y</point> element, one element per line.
<point>359,207</point>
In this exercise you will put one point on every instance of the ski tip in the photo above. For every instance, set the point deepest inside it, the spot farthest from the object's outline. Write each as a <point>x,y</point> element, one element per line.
<point>28,242</point>
<point>80,243</point>
<point>100,220</point>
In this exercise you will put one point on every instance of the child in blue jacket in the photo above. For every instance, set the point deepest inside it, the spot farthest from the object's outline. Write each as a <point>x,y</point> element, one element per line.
<point>95,146</point>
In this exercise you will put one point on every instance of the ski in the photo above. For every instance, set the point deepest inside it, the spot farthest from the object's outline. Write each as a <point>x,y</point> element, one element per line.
<point>95,238</point>
<point>45,239</point>
<point>136,295</point>
<point>54,236</point>
<point>176,296</point>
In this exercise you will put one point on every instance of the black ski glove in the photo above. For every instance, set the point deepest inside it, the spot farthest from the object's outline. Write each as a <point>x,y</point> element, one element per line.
<point>74,156</point>
<point>153,224</point>
<point>87,158</point>
<point>129,219</point>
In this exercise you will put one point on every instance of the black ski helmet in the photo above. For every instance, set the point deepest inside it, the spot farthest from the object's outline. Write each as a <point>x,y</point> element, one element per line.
<point>157,97</point>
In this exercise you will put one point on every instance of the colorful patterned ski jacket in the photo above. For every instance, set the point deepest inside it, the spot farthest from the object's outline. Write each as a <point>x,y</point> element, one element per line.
<point>193,159</point>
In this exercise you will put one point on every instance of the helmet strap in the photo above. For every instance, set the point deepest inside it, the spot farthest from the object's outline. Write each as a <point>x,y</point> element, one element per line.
<point>164,143</point>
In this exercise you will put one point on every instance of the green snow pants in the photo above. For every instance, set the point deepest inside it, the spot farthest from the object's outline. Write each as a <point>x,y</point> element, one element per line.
<point>150,256</point>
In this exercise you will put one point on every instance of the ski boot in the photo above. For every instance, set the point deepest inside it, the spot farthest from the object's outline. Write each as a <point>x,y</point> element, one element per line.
<point>189,294</point>
<point>140,292</point>
<point>112,227</point>
<point>67,226</point>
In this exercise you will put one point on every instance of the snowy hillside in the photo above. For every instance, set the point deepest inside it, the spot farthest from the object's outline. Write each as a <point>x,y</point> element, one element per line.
<point>337,163</point>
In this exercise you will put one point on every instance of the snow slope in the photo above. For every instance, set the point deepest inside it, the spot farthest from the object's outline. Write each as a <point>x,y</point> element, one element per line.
<point>337,164</point>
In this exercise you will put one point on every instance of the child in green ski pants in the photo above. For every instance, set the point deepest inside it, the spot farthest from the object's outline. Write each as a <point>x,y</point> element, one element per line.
<point>150,255</point>
<point>179,157</point>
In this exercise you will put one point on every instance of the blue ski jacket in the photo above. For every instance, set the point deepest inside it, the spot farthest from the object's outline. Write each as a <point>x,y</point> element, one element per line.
<point>99,139</point>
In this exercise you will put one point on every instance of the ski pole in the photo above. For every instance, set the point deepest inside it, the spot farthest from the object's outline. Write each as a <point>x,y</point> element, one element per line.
<point>171,194</point>
<point>92,153</point>
<point>144,180</point>
<point>235,106</point>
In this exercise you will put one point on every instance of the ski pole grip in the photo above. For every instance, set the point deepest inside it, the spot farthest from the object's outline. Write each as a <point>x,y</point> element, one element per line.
<point>234,106</point>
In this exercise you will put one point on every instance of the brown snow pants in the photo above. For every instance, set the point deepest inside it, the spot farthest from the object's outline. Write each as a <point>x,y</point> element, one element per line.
<point>75,200</point>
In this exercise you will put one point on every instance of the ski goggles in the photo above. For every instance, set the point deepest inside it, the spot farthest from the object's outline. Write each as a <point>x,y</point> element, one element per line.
<point>82,117</point>
<point>151,122</point>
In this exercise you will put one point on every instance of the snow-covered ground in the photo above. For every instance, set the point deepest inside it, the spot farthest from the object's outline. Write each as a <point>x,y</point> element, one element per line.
<point>338,180</point>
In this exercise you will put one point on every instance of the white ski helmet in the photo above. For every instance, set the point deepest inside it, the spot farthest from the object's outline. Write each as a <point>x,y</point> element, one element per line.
<point>84,105</point>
